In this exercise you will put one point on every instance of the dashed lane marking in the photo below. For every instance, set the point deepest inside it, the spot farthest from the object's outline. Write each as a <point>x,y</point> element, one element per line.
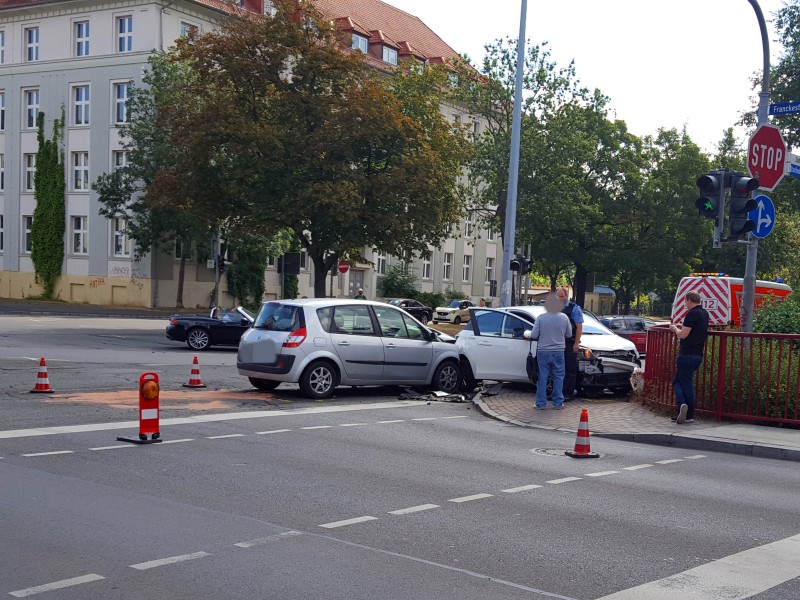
<point>413,509</point>
<point>636,467</point>
<point>114,447</point>
<point>351,424</point>
<point>563,480</point>
<point>318,427</point>
<point>471,498</point>
<point>521,488</point>
<point>268,539</point>
<point>152,564</point>
<point>696,456</point>
<point>425,419</point>
<point>272,431</point>
<point>392,421</point>
<point>346,522</point>
<point>49,453</point>
<point>222,437</point>
<point>601,473</point>
<point>669,462</point>
<point>56,585</point>
<point>177,441</point>
<point>456,417</point>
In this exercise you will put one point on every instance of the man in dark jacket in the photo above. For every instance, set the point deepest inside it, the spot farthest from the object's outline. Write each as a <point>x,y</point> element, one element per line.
<point>692,335</point>
<point>575,315</point>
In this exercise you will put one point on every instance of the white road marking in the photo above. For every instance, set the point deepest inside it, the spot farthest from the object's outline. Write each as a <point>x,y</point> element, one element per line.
<point>564,480</point>
<point>521,488</point>
<point>114,447</point>
<point>393,421</point>
<point>469,498</point>
<point>317,427</point>
<point>601,473</point>
<point>696,456</point>
<point>351,424</point>
<point>669,462</point>
<point>272,431</point>
<point>168,561</point>
<point>636,467</point>
<point>49,453</point>
<point>56,585</point>
<point>221,437</point>
<point>413,509</point>
<point>336,524</point>
<point>735,577</point>
<point>425,419</point>
<point>268,539</point>
<point>212,418</point>
<point>177,441</point>
<point>456,417</point>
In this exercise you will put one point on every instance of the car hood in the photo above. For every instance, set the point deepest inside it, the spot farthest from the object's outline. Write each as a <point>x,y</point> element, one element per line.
<point>606,342</point>
<point>445,309</point>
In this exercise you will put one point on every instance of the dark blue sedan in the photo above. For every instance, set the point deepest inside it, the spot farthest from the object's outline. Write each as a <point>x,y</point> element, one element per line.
<point>200,333</point>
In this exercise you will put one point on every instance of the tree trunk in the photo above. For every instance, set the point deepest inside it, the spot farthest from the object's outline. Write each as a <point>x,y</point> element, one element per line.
<point>181,274</point>
<point>579,289</point>
<point>322,268</point>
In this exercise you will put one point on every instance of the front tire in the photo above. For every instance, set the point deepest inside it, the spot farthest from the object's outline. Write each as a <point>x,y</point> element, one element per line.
<point>319,380</point>
<point>457,321</point>
<point>265,385</point>
<point>198,339</point>
<point>447,377</point>
<point>424,320</point>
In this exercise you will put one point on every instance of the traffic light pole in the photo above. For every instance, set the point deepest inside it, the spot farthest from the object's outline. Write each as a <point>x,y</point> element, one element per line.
<point>509,231</point>
<point>749,283</point>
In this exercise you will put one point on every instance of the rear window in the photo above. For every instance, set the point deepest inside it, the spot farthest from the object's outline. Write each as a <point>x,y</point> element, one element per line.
<point>275,316</point>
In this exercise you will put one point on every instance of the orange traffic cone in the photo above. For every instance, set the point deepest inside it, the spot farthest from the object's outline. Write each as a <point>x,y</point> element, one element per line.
<point>582,449</point>
<point>42,382</point>
<point>194,378</point>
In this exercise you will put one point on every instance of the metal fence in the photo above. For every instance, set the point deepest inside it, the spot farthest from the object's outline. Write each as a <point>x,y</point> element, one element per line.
<point>744,376</point>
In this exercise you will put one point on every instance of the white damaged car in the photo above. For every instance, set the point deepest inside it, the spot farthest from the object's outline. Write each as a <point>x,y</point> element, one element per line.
<point>492,347</point>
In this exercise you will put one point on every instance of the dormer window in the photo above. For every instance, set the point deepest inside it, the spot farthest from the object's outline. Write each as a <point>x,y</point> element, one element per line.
<point>453,78</point>
<point>360,43</point>
<point>389,55</point>
<point>269,8</point>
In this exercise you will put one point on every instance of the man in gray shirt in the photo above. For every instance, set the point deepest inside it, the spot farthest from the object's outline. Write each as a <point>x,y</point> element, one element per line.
<point>551,329</point>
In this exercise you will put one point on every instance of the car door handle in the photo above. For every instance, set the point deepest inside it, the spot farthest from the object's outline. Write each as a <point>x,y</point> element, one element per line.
<point>390,345</point>
<point>484,343</point>
<point>344,343</point>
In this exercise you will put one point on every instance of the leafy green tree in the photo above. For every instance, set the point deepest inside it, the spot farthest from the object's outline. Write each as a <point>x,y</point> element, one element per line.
<point>400,282</point>
<point>49,218</point>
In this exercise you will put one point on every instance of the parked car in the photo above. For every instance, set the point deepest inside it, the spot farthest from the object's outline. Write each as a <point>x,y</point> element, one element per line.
<point>631,328</point>
<point>322,343</point>
<point>456,312</point>
<point>200,333</point>
<point>492,346</point>
<point>422,313</point>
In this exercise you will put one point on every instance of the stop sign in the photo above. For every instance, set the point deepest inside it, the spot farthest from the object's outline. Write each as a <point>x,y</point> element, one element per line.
<point>344,266</point>
<point>766,156</point>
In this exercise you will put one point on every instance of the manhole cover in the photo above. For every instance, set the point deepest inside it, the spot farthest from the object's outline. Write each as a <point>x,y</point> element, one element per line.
<point>550,451</point>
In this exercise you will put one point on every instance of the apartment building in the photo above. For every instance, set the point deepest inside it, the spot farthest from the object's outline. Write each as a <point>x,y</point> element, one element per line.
<point>84,56</point>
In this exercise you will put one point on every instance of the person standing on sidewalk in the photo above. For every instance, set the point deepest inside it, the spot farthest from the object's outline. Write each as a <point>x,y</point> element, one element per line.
<point>692,335</point>
<point>575,316</point>
<point>551,329</point>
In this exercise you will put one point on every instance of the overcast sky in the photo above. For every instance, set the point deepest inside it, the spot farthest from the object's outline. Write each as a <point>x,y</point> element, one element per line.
<point>661,62</point>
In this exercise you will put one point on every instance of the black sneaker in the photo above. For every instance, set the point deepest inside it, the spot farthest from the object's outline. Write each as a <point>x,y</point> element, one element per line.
<point>673,418</point>
<point>681,418</point>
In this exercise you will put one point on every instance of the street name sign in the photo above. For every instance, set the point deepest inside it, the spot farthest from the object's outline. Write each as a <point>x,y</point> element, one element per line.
<point>763,215</point>
<point>784,108</point>
<point>766,156</point>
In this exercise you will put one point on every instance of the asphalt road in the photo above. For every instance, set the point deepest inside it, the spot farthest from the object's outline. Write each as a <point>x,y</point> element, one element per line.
<point>360,497</point>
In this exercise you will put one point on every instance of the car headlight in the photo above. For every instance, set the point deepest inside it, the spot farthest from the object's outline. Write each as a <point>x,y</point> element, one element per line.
<point>586,354</point>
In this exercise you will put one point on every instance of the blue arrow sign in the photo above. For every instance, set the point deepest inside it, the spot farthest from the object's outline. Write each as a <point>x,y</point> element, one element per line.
<point>784,108</point>
<point>764,216</point>
<point>794,170</point>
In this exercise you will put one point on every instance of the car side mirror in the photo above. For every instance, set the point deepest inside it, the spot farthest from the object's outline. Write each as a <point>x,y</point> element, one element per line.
<point>245,321</point>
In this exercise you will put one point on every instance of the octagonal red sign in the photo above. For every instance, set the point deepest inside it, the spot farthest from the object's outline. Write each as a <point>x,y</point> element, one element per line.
<point>766,156</point>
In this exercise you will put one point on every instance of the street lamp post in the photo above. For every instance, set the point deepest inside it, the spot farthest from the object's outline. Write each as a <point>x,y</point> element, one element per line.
<point>513,167</point>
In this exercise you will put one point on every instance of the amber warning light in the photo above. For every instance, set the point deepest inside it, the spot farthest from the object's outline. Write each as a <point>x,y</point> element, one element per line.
<point>148,411</point>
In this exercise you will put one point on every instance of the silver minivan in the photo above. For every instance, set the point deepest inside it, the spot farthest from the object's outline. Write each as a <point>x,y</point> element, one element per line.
<point>321,343</point>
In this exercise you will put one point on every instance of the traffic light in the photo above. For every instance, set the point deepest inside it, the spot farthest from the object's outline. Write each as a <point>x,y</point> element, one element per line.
<point>712,194</point>
<point>739,223</point>
<point>516,263</point>
<point>525,265</point>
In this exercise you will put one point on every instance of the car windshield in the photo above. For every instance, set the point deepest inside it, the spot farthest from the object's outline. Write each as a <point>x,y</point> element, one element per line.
<point>394,302</point>
<point>454,304</point>
<point>275,316</point>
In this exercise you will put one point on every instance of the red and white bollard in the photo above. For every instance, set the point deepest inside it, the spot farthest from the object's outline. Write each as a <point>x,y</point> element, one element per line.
<point>149,411</point>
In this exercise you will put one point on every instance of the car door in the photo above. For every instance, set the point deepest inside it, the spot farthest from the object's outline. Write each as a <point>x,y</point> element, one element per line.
<point>230,328</point>
<point>497,349</point>
<point>407,350</point>
<point>357,344</point>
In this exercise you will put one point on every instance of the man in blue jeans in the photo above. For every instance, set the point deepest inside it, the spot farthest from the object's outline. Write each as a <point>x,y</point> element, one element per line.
<point>692,335</point>
<point>552,329</point>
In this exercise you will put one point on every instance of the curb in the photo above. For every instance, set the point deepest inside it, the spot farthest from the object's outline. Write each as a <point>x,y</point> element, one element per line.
<point>675,440</point>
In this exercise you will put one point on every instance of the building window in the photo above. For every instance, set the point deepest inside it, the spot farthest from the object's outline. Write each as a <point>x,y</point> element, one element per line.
<point>81,106</point>
<point>490,234</point>
<point>389,55</point>
<point>188,30</point>
<point>119,159</point>
<point>381,266</point>
<point>452,79</point>
<point>32,44</point>
<point>2,111</point>
<point>30,171</point>
<point>466,268</point>
<point>2,172</point>
<point>80,235</point>
<point>469,226</point>
<point>360,43</point>
<point>476,130</point>
<point>303,260</point>
<point>2,232</point>
<point>31,108</point>
<point>80,171</point>
<point>447,266</point>
<point>122,245</point>
<point>82,38</point>
<point>27,225</point>
<point>269,8</point>
<point>271,261</point>
<point>426,265</point>
<point>125,33</point>
<point>121,91</point>
<point>489,269</point>
<point>2,47</point>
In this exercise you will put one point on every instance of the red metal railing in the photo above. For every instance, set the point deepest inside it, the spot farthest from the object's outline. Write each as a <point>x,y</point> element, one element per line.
<point>744,376</point>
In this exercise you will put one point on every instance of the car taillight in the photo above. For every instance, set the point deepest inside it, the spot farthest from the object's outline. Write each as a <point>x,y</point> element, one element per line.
<point>295,338</point>
<point>173,321</point>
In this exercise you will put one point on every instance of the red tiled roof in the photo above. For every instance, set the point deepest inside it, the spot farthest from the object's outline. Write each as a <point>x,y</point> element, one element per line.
<point>396,24</point>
